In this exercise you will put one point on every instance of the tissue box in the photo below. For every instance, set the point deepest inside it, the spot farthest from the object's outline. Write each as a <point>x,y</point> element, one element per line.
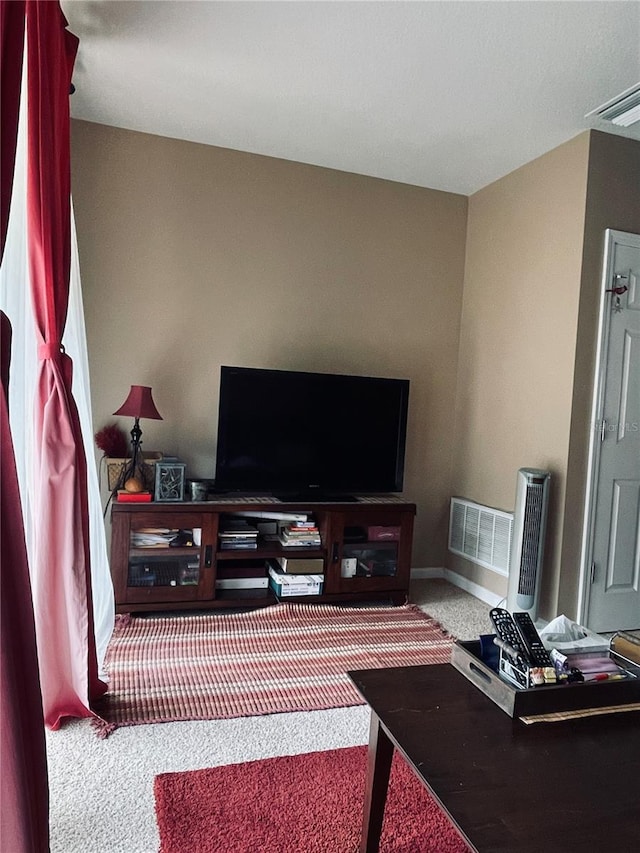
<point>568,637</point>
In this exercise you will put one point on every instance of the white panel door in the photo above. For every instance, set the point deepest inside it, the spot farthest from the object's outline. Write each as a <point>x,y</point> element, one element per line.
<point>614,596</point>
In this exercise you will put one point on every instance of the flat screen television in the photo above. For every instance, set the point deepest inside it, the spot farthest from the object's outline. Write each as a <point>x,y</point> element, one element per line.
<point>305,436</point>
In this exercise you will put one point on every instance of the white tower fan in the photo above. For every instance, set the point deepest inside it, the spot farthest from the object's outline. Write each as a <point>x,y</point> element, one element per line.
<point>527,549</point>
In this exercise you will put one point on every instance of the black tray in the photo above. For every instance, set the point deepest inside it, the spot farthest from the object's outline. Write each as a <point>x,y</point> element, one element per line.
<point>546,699</point>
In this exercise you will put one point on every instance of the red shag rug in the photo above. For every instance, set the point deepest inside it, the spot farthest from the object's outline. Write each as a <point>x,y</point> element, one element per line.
<point>309,803</point>
<point>289,657</point>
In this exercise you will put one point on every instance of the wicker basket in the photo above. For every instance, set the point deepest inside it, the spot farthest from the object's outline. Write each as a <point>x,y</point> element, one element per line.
<point>117,467</point>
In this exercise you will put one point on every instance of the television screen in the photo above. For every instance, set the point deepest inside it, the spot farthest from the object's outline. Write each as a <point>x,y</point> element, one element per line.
<point>300,435</point>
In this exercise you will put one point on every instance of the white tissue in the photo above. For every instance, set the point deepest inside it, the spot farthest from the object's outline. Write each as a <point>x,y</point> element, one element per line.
<point>564,634</point>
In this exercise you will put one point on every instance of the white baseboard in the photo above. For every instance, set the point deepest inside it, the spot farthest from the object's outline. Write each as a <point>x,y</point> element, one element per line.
<point>460,581</point>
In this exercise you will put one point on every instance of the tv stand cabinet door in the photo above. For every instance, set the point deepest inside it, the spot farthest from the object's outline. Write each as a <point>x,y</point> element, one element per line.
<point>144,576</point>
<point>370,552</point>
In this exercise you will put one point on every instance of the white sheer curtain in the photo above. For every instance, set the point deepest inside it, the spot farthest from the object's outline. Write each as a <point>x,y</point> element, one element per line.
<point>15,300</point>
<point>75,343</point>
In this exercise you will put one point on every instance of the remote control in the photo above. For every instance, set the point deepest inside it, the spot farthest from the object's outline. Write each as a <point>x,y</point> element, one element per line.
<point>507,637</point>
<point>530,639</point>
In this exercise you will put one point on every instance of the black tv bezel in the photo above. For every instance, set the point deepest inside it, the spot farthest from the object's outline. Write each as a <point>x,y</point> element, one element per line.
<point>343,492</point>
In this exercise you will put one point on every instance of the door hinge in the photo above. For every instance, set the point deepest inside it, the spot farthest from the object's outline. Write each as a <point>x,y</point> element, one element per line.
<point>592,573</point>
<point>603,429</point>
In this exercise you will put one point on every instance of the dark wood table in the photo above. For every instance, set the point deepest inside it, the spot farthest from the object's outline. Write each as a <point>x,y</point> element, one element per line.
<point>554,787</point>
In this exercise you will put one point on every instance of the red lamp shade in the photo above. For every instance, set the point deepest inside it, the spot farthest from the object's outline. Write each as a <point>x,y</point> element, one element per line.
<point>139,404</point>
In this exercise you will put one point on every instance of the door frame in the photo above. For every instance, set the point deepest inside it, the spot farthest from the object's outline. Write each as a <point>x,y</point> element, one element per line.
<point>611,239</point>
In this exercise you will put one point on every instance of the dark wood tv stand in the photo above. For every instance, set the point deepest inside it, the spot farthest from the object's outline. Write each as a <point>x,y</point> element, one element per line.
<point>184,578</point>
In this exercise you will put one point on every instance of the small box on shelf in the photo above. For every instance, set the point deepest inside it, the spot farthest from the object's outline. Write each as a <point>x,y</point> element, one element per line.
<point>170,480</point>
<point>380,533</point>
<point>288,586</point>
<point>349,566</point>
<point>301,565</point>
<point>133,497</point>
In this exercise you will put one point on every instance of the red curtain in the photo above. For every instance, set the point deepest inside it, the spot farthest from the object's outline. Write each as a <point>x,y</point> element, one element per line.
<point>24,790</point>
<point>24,793</point>
<point>12,43</point>
<point>61,572</point>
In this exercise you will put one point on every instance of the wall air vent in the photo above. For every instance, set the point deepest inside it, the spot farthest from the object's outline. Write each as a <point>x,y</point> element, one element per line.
<point>623,110</point>
<point>481,534</point>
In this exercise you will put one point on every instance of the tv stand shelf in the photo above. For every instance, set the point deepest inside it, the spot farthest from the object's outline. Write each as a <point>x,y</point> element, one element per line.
<point>366,552</point>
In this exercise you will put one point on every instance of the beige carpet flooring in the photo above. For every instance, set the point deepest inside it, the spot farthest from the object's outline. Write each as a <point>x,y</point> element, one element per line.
<point>102,790</point>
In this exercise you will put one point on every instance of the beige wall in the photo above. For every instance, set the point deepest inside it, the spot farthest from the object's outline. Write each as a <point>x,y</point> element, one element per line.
<point>517,341</point>
<point>193,256</point>
<point>528,339</point>
<point>613,201</point>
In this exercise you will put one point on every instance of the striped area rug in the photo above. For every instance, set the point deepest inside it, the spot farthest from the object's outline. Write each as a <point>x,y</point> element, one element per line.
<point>288,657</point>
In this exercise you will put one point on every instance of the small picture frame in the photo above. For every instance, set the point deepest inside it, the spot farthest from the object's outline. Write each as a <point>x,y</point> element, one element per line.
<point>170,480</point>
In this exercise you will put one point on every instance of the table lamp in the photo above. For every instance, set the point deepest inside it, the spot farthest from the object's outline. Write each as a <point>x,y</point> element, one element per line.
<point>139,404</point>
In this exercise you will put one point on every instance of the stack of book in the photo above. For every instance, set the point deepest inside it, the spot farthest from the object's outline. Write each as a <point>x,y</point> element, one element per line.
<point>123,496</point>
<point>238,535</point>
<point>299,534</point>
<point>286,586</point>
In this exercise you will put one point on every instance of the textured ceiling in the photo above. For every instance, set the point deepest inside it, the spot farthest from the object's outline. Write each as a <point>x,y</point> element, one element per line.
<point>449,95</point>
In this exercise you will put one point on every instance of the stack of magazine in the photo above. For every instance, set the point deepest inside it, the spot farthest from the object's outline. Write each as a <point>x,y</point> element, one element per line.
<point>237,535</point>
<point>153,537</point>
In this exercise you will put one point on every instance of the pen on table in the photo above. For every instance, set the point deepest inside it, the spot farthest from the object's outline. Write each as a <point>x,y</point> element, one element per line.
<point>606,676</point>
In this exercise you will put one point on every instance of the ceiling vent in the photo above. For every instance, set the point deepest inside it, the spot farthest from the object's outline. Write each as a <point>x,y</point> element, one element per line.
<point>623,110</point>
